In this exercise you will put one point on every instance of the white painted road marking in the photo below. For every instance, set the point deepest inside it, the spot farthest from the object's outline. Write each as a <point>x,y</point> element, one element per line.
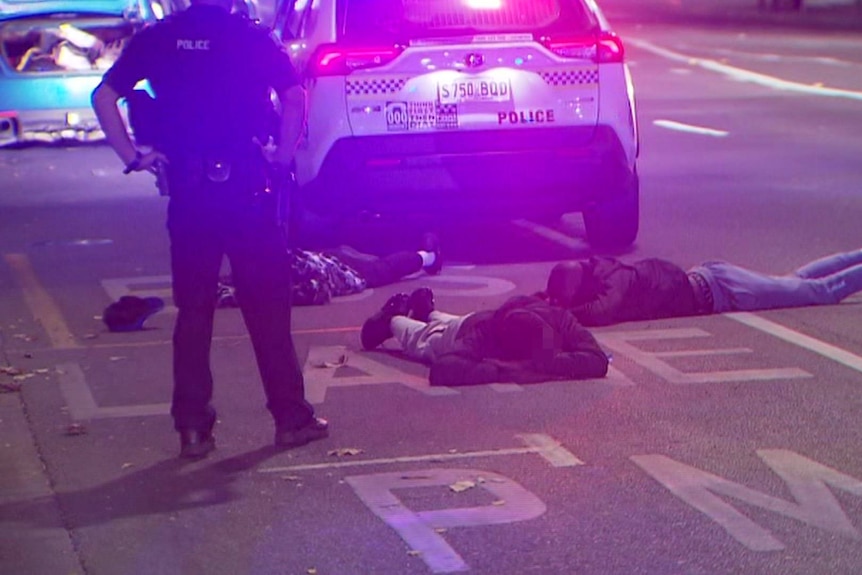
<point>82,405</point>
<point>551,234</point>
<point>743,75</point>
<point>363,370</point>
<point>546,447</point>
<point>469,286</point>
<point>828,351</point>
<point>419,529</point>
<point>323,371</point>
<point>806,480</point>
<point>689,128</point>
<point>446,285</point>
<point>619,342</point>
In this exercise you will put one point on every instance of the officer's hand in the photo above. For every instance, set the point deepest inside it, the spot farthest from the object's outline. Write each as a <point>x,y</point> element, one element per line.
<point>145,162</point>
<point>280,156</point>
<point>150,159</point>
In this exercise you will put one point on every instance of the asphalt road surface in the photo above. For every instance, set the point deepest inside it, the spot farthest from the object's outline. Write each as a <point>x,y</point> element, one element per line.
<point>717,445</point>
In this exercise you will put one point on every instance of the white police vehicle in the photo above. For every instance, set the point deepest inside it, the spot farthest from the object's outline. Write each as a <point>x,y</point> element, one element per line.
<point>516,107</point>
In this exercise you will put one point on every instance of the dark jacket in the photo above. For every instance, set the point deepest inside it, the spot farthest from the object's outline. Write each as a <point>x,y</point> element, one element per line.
<point>615,292</point>
<point>574,353</point>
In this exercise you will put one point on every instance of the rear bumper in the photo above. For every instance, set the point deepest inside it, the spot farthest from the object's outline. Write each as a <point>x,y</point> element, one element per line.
<point>48,126</point>
<point>541,170</point>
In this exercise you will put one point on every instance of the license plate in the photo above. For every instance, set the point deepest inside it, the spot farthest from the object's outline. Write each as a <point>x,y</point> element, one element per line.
<point>474,90</point>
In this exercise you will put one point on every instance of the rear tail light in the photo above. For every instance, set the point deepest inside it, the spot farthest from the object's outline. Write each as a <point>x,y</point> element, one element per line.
<point>335,60</point>
<point>604,49</point>
<point>7,121</point>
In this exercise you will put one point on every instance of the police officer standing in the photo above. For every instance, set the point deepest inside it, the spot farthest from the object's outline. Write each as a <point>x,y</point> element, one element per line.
<point>213,74</point>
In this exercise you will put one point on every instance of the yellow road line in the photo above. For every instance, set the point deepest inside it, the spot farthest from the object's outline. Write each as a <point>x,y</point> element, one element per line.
<point>45,310</point>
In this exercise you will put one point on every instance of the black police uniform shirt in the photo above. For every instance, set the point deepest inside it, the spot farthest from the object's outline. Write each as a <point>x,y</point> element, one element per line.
<point>211,73</point>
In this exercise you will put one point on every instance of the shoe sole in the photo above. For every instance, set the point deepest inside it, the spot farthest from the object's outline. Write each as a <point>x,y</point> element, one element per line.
<point>304,440</point>
<point>197,451</point>
<point>367,335</point>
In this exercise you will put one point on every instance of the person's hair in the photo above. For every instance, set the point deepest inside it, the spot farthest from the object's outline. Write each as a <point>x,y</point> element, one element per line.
<point>521,334</point>
<point>565,284</point>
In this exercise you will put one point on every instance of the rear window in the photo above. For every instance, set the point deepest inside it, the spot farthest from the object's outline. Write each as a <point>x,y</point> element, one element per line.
<point>67,44</point>
<point>384,20</point>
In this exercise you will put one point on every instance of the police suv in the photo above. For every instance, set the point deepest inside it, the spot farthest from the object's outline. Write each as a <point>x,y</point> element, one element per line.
<point>521,108</point>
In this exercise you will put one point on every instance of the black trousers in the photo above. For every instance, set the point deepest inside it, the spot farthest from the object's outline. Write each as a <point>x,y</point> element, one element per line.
<point>380,271</point>
<point>207,222</point>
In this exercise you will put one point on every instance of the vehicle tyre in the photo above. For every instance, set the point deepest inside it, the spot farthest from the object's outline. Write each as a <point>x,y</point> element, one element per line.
<point>613,225</point>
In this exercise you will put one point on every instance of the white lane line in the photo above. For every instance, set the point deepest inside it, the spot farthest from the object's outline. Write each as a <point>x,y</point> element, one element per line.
<point>829,351</point>
<point>744,75</point>
<point>690,128</point>
<point>82,405</point>
<point>546,447</point>
<point>76,392</point>
<point>550,234</point>
<point>550,449</point>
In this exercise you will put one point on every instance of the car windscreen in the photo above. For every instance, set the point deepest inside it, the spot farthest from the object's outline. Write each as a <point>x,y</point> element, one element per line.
<point>404,20</point>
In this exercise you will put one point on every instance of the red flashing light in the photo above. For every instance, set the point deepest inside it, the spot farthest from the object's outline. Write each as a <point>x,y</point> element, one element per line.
<point>335,60</point>
<point>610,48</point>
<point>607,48</point>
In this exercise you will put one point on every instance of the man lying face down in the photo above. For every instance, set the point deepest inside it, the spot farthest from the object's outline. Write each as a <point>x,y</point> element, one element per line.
<point>604,291</point>
<point>525,340</point>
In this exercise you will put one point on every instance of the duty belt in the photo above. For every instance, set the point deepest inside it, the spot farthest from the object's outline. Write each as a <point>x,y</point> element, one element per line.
<point>703,300</point>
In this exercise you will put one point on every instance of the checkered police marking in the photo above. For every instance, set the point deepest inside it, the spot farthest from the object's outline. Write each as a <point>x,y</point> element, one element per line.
<point>571,77</point>
<point>374,86</point>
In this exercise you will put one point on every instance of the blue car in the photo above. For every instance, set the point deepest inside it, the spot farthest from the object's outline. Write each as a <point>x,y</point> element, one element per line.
<point>53,53</point>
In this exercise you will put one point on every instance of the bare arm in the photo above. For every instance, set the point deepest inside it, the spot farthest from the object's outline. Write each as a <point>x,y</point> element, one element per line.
<point>105,100</point>
<point>292,124</point>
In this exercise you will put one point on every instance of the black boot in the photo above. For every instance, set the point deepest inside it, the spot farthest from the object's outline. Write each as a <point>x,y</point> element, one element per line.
<point>376,329</point>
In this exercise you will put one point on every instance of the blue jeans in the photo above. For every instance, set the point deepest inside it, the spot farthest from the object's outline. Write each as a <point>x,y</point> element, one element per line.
<point>822,282</point>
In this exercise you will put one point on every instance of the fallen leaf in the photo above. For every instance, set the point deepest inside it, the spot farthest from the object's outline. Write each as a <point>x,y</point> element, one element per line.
<point>76,429</point>
<point>342,360</point>
<point>342,451</point>
<point>440,530</point>
<point>10,387</point>
<point>126,465</point>
<point>498,502</point>
<point>462,485</point>
<point>291,477</point>
<point>414,553</point>
<point>311,571</point>
<point>116,357</point>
